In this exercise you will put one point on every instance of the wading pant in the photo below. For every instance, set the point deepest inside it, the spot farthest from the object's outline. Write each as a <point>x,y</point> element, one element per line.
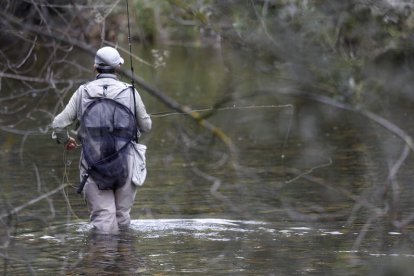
<point>109,210</point>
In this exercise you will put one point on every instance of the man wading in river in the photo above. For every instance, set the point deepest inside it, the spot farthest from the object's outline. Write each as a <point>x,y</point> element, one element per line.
<point>112,116</point>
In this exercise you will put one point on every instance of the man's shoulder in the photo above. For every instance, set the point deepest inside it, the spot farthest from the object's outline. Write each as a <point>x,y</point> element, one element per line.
<point>103,87</point>
<point>107,81</point>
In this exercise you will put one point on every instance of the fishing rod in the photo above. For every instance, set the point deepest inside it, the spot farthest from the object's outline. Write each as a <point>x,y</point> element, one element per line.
<point>132,67</point>
<point>86,174</point>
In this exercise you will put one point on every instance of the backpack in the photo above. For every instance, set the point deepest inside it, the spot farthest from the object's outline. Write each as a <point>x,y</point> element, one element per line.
<point>107,128</point>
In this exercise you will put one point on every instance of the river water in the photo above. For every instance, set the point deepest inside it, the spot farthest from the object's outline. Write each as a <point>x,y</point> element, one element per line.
<point>307,192</point>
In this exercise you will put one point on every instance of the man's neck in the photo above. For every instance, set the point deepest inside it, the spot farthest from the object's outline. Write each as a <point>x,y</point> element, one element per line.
<point>106,75</point>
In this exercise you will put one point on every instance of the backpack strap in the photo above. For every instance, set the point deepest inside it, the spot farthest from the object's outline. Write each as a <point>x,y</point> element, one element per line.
<point>85,177</point>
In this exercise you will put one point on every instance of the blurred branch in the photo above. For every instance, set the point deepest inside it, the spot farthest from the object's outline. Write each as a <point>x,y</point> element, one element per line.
<point>391,127</point>
<point>357,199</point>
<point>394,168</point>
<point>38,80</point>
<point>386,124</point>
<point>364,231</point>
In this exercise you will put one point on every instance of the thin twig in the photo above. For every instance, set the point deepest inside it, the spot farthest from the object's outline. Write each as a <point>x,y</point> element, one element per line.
<point>38,80</point>
<point>168,101</point>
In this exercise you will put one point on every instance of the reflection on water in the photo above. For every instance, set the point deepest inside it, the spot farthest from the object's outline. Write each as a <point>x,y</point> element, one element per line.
<point>212,246</point>
<point>208,229</point>
<point>107,255</point>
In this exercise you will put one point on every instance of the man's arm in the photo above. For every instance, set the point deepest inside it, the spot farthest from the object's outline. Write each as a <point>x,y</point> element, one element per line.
<point>143,118</point>
<point>65,119</point>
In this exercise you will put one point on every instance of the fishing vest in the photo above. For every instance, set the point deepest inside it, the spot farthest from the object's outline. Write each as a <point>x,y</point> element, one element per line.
<point>107,127</point>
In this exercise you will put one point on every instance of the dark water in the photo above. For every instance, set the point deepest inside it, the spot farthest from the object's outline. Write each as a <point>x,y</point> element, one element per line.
<point>308,191</point>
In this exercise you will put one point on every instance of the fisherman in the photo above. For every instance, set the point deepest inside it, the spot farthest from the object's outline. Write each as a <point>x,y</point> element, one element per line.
<point>109,207</point>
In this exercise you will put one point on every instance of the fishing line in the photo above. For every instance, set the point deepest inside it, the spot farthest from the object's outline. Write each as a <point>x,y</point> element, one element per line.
<point>66,163</point>
<point>47,130</point>
<point>328,163</point>
<point>234,107</point>
<point>65,181</point>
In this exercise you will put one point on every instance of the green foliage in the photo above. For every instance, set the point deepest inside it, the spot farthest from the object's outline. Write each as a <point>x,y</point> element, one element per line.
<point>144,12</point>
<point>170,20</point>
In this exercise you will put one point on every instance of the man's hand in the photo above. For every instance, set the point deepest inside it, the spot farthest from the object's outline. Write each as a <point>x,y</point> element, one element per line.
<point>71,144</point>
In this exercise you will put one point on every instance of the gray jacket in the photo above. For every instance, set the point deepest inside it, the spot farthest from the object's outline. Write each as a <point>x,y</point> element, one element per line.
<point>105,85</point>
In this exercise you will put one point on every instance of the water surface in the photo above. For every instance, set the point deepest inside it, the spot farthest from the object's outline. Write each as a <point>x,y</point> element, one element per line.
<point>307,192</point>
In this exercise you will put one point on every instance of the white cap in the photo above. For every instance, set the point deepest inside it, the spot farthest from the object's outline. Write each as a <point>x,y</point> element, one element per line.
<point>108,57</point>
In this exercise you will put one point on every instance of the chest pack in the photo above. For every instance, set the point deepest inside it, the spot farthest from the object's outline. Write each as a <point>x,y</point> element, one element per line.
<point>107,128</point>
